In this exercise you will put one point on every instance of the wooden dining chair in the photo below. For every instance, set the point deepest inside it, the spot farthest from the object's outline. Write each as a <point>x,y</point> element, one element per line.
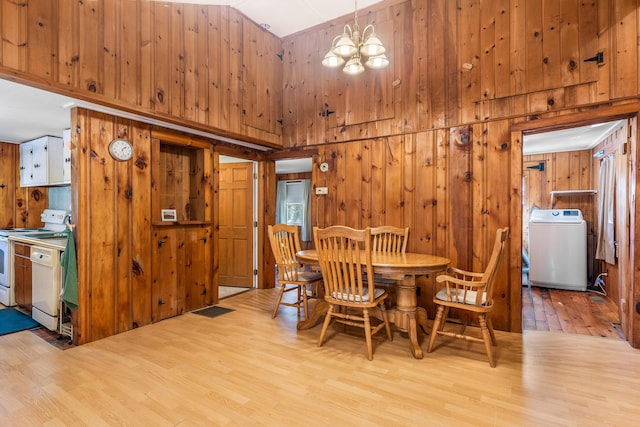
<point>388,239</point>
<point>285,243</point>
<point>471,292</point>
<point>344,256</point>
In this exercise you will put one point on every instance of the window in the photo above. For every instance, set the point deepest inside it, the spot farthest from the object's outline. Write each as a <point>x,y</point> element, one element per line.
<point>294,203</point>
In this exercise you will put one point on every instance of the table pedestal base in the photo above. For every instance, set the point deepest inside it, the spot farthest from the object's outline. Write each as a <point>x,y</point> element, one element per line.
<point>407,315</point>
<point>318,311</point>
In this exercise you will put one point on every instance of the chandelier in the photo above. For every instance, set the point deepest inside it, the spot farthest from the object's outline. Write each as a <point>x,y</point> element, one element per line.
<point>353,45</point>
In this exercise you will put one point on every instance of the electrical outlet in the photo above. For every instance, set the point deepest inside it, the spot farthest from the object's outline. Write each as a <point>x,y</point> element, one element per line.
<point>322,190</point>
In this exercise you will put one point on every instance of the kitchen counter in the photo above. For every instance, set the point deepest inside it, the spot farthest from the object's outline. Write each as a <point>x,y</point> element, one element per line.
<point>58,243</point>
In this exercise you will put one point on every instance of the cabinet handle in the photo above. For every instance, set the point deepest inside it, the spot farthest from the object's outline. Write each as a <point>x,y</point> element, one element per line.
<point>161,242</point>
<point>204,239</point>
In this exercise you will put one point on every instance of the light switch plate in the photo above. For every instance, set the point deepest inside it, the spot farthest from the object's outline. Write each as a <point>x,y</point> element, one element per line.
<point>322,190</point>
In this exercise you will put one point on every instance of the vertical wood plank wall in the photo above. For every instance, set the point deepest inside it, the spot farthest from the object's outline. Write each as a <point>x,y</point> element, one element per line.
<point>113,225</point>
<point>429,138</point>
<point>203,67</point>
<point>462,74</point>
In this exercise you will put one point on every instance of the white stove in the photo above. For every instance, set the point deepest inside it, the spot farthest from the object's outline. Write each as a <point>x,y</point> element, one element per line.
<point>54,222</point>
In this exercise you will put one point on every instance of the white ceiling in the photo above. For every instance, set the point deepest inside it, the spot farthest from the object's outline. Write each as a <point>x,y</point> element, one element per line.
<point>285,17</point>
<point>578,138</point>
<point>282,166</point>
<point>27,113</point>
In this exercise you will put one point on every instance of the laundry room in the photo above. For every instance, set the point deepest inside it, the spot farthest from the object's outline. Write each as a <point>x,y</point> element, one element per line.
<point>575,228</point>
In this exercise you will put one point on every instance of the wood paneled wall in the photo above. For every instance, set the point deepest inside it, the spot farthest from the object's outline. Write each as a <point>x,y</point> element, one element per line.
<point>457,62</point>
<point>112,210</point>
<point>118,229</point>
<point>204,67</point>
<point>433,146</point>
<point>9,159</point>
<point>422,181</point>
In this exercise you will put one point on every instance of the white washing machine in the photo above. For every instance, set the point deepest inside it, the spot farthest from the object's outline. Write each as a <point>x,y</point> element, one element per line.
<point>558,249</point>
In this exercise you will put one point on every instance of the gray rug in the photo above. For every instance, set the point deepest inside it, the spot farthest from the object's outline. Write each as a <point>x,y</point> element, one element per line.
<point>212,311</point>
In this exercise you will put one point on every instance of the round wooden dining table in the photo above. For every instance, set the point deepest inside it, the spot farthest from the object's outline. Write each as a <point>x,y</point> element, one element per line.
<point>403,268</point>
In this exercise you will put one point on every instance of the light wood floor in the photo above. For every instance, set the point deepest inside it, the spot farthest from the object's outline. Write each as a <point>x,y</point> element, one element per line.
<point>243,368</point>
<point>228,291</point>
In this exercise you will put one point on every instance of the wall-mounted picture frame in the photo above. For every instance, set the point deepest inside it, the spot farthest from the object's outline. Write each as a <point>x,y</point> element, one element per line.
<point>169,215</point>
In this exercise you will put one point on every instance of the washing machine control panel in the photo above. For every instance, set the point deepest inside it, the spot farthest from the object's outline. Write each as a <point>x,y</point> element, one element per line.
<point>555,215</point>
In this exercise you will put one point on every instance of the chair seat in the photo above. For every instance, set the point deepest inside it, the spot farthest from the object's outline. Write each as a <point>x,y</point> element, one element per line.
<point>307,276</point>
<point>470,297</point>
<point>365,296</point>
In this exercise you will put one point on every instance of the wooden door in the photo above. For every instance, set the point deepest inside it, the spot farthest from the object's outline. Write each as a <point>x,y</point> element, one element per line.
<point>534,190</point>
<point>235,241</point>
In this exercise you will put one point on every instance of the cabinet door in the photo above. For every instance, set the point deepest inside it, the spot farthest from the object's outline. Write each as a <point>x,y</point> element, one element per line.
<point>26,165</point>
<point>40,162</point>
<point>66,157</point>
<point>197,268</point>
<point>167,290</point>
<point>22,276</point>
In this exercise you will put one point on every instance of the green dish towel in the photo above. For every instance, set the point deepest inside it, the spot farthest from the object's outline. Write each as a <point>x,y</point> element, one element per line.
<point>70,281</point>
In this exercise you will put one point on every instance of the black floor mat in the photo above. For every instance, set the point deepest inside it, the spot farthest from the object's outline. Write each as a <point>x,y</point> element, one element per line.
<point>212,311</point>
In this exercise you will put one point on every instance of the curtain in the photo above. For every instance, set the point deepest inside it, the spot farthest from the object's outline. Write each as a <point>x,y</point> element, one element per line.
<point>605,248</point>
<point>306,220</point>
<point>281,205</point>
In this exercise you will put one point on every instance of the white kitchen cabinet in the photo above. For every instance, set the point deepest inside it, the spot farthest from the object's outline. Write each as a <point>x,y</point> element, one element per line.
<point>66,156</point>
<point>41,162</point>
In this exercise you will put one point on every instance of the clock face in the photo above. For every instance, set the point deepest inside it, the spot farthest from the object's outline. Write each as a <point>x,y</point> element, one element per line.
<point>121,149</point>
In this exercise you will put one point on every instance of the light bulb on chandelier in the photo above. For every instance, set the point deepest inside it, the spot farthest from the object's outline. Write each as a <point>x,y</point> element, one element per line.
<point>350,44</point>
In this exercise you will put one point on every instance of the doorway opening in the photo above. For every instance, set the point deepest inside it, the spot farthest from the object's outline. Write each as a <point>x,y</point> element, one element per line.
<point>561,180</point>
<point>294,203</point>
<point>293,196</point>
<point>237,231</point>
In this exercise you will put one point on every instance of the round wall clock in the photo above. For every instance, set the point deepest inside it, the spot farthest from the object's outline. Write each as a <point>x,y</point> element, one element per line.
<point>121,149</point>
